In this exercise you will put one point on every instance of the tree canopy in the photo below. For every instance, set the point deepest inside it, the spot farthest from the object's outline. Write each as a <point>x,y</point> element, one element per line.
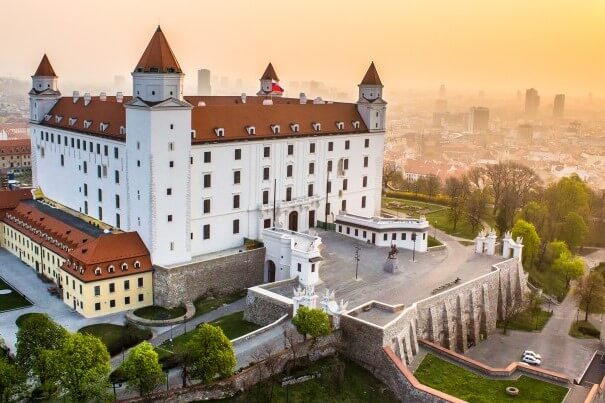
<point>312,322</point>
<point>589,293</point>
<point>142,369</point>
<point>80,368</point>
<point>211,353</point>
<point>12,381</point>
<point>531,240</point>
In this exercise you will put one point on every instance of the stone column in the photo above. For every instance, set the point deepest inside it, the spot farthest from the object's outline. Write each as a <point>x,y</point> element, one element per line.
<point>479,241</point>
<point>491,243</point>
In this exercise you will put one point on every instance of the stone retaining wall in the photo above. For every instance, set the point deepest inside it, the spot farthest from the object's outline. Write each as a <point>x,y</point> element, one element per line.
<point>214,277</point>
<point>190,312</point>
<point>257,332</point>
<point>264,306</point>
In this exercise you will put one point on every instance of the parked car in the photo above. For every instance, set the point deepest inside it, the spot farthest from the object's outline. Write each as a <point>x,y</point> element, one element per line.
<point>530,360</point>
<point>533,354</point>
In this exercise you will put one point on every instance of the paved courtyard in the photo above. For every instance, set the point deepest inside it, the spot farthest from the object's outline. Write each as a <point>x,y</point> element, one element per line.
<point>560,352</point>
<point>414,280</point>
<point>23,278</point>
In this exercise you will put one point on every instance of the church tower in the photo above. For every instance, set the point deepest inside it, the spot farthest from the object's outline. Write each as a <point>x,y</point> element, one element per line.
<point>44,93</point>
<point>370,104</point>
<point>158,147</point>
<point>269,83</point>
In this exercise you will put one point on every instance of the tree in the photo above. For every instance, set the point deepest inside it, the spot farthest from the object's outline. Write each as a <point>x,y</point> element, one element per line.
<point>142,369</point>
<point>534,305</point>
<point>589,293</point>
<point>211,353</point>
<point>390,173</point>
<point>536,212</point>
<point>573,230</point>
<point>531,241</point>
<point>571,267</point>
<point>432,185</point>
<point>312,322</point>
<point>555,250</point>
<point>457,190</point>
<point>37,334</point>
<point>12,381</point>
<point>476,209</point>
<point>80,367</point>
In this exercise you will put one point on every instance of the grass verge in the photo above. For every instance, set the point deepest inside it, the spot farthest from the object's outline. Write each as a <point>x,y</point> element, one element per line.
<point>433,242</point>
<point>155,312</point>
<point>458,382</point>
<point>205,305</point>
<point>583,330</point>
<point>25,316</point>
<point>116,337</point>
<point>528,320</point>
<point>12,300</point>
<point>551,282</point>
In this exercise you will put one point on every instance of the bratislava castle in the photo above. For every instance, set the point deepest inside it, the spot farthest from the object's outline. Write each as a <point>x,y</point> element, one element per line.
<point>195,175</point>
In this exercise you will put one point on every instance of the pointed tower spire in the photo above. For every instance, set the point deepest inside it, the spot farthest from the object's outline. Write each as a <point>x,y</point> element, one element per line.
<point>158,56</point>
<point>270,73</point>
<point>45,69</point>
<point>371,77</point>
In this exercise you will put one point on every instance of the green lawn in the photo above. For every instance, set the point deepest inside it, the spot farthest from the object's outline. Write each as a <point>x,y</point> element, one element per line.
<point>13,300</point>
<point>433,241</point>
<point>527,320</point>
<point>356,385</point>
<point>25,316</point>
<point>435,214</point>
<point>458,382</point>
<point>117,337</point>
<point>550,281</point>
<point>205,305</point>
<point>583,330</point>
<point>155,312</point>
<point>233,326</point>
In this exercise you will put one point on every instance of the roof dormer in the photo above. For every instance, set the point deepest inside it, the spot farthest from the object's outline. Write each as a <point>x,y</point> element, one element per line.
<point>251,130</point>
<point>316,126</point>
<point>340,125</point>
<point>87,123</point>
<point>219,131</point>
<point>103,126</point>
<point>275,129</point>
<point>295,127</point>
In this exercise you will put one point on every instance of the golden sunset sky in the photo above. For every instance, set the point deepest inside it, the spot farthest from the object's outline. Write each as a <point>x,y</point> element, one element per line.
<point>553,45</point>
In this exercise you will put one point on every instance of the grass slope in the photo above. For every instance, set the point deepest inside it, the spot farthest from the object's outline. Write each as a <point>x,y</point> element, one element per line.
<point>116,337</point>
<point>12,300</point>
<point>458,382</point>
<point>527,320</point>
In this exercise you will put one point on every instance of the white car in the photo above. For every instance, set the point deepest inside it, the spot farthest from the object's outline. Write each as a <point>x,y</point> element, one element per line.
<point>530,360</point>
<point>533,354</point>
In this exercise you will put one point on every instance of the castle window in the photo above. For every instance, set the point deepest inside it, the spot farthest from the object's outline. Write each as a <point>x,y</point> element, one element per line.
<point>347,144</point>
<point>251,130</point>
<point>124,266</point>
<point>122,130</point>
<point>295,127</point>
<point>316,126</point>
<point>356,124</point>
<point>169,217</point>
<point>137,264</point>
<point>206,231</point>
<point>171,126</point>
<point>238,154</point>
<point>207,156</point>
<point>340,125</point>
<point>103,126</point>
<point>311,148</point>
<point>98,271</point>
<point>171,146</point>
<point>275,129</point>
<point>219,131</point>
<point>72,121</point>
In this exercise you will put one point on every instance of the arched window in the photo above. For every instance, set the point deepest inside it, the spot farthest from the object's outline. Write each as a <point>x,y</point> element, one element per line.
<point>124,266</point>
<point>98,271</point>
<point>111,269</point>
<point>137,265</point>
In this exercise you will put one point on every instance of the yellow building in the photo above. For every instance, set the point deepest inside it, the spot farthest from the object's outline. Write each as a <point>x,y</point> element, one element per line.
<point>15,154</point>
<point>95,273</point>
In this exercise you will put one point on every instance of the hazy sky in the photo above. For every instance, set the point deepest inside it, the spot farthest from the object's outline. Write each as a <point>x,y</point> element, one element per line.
<point>553,45</point>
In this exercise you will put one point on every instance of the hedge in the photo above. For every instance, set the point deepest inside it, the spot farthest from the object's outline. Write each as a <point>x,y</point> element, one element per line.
<point>439,199</point>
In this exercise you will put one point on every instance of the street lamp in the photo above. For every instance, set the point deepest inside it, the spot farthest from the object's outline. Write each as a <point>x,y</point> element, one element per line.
<point>414,250</point>
<point>357,248</point>
<point>435,227</point>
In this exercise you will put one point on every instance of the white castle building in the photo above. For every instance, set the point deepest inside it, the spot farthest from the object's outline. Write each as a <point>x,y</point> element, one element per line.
<point>194,175</point>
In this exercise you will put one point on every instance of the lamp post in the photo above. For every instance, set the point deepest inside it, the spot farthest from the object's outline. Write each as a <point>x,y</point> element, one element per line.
<point>357,248</point>
<point>435,232</point>
<point>414,250</point>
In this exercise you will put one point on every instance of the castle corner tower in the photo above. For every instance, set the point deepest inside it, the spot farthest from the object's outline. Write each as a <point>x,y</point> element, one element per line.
<point>370,104</point>
<point>44,93</point>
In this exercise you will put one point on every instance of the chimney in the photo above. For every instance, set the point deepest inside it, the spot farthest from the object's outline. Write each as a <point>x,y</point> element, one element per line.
<point>201,103</point>
<point>103,96</point>
<point>303,98</point>
<point>119,97</point>
<point>243,97</point>
<point>76,96</point>
<point>87,98</point>
<point>267,101</point>
<point>318,101</point>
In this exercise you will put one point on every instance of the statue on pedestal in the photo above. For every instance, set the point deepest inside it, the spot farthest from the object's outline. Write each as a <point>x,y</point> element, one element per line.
<point>392,263</point>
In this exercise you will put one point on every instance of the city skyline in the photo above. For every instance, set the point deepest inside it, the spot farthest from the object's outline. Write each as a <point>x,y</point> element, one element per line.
<point>521,49</point>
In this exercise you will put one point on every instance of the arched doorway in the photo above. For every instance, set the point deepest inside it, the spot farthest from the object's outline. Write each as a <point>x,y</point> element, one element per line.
<point>293,221</point>
<point>270,271</point>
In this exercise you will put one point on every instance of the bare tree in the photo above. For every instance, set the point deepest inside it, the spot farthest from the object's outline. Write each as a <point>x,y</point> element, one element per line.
<point>390,173</point>
<point>476,209</point>
<point>268,366</point>
<point>457,190</point>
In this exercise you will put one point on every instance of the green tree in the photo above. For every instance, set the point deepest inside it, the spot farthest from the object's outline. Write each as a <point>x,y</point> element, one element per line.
<point>12,381</point>
<point>142,369</point>
<point>80,368</point>
<point>211,353</point>
<point>37,334</point>
<point>531,241</point>
<point>589,293</point>
<point>457,190</point>
<point>573,230</point>
<point>556,250</point>
<point>536,212</point>
<point>312,322</point>
<point>571,267</point>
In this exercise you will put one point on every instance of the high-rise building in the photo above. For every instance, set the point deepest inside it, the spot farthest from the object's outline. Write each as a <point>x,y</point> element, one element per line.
<point>203,82</point>
<point>559,107</point>
<point>440,106</point>
<point>532,101</point>
<point>478,119</point>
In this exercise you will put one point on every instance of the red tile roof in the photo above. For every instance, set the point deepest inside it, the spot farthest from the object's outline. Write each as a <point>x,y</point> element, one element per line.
<point>270,73</point>
<point>15,147</point>
<point>371,77</point>
<point>158,56</point>
<point>45,69</point>
<point>9,199</point>
<point>212,112</point>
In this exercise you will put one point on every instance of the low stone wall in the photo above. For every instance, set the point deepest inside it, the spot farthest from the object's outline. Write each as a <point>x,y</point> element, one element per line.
<point>131,317</point>
<point>246,378</point>
<point>264,306</point>
<point>258,332</point>
<point>214,277</point>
